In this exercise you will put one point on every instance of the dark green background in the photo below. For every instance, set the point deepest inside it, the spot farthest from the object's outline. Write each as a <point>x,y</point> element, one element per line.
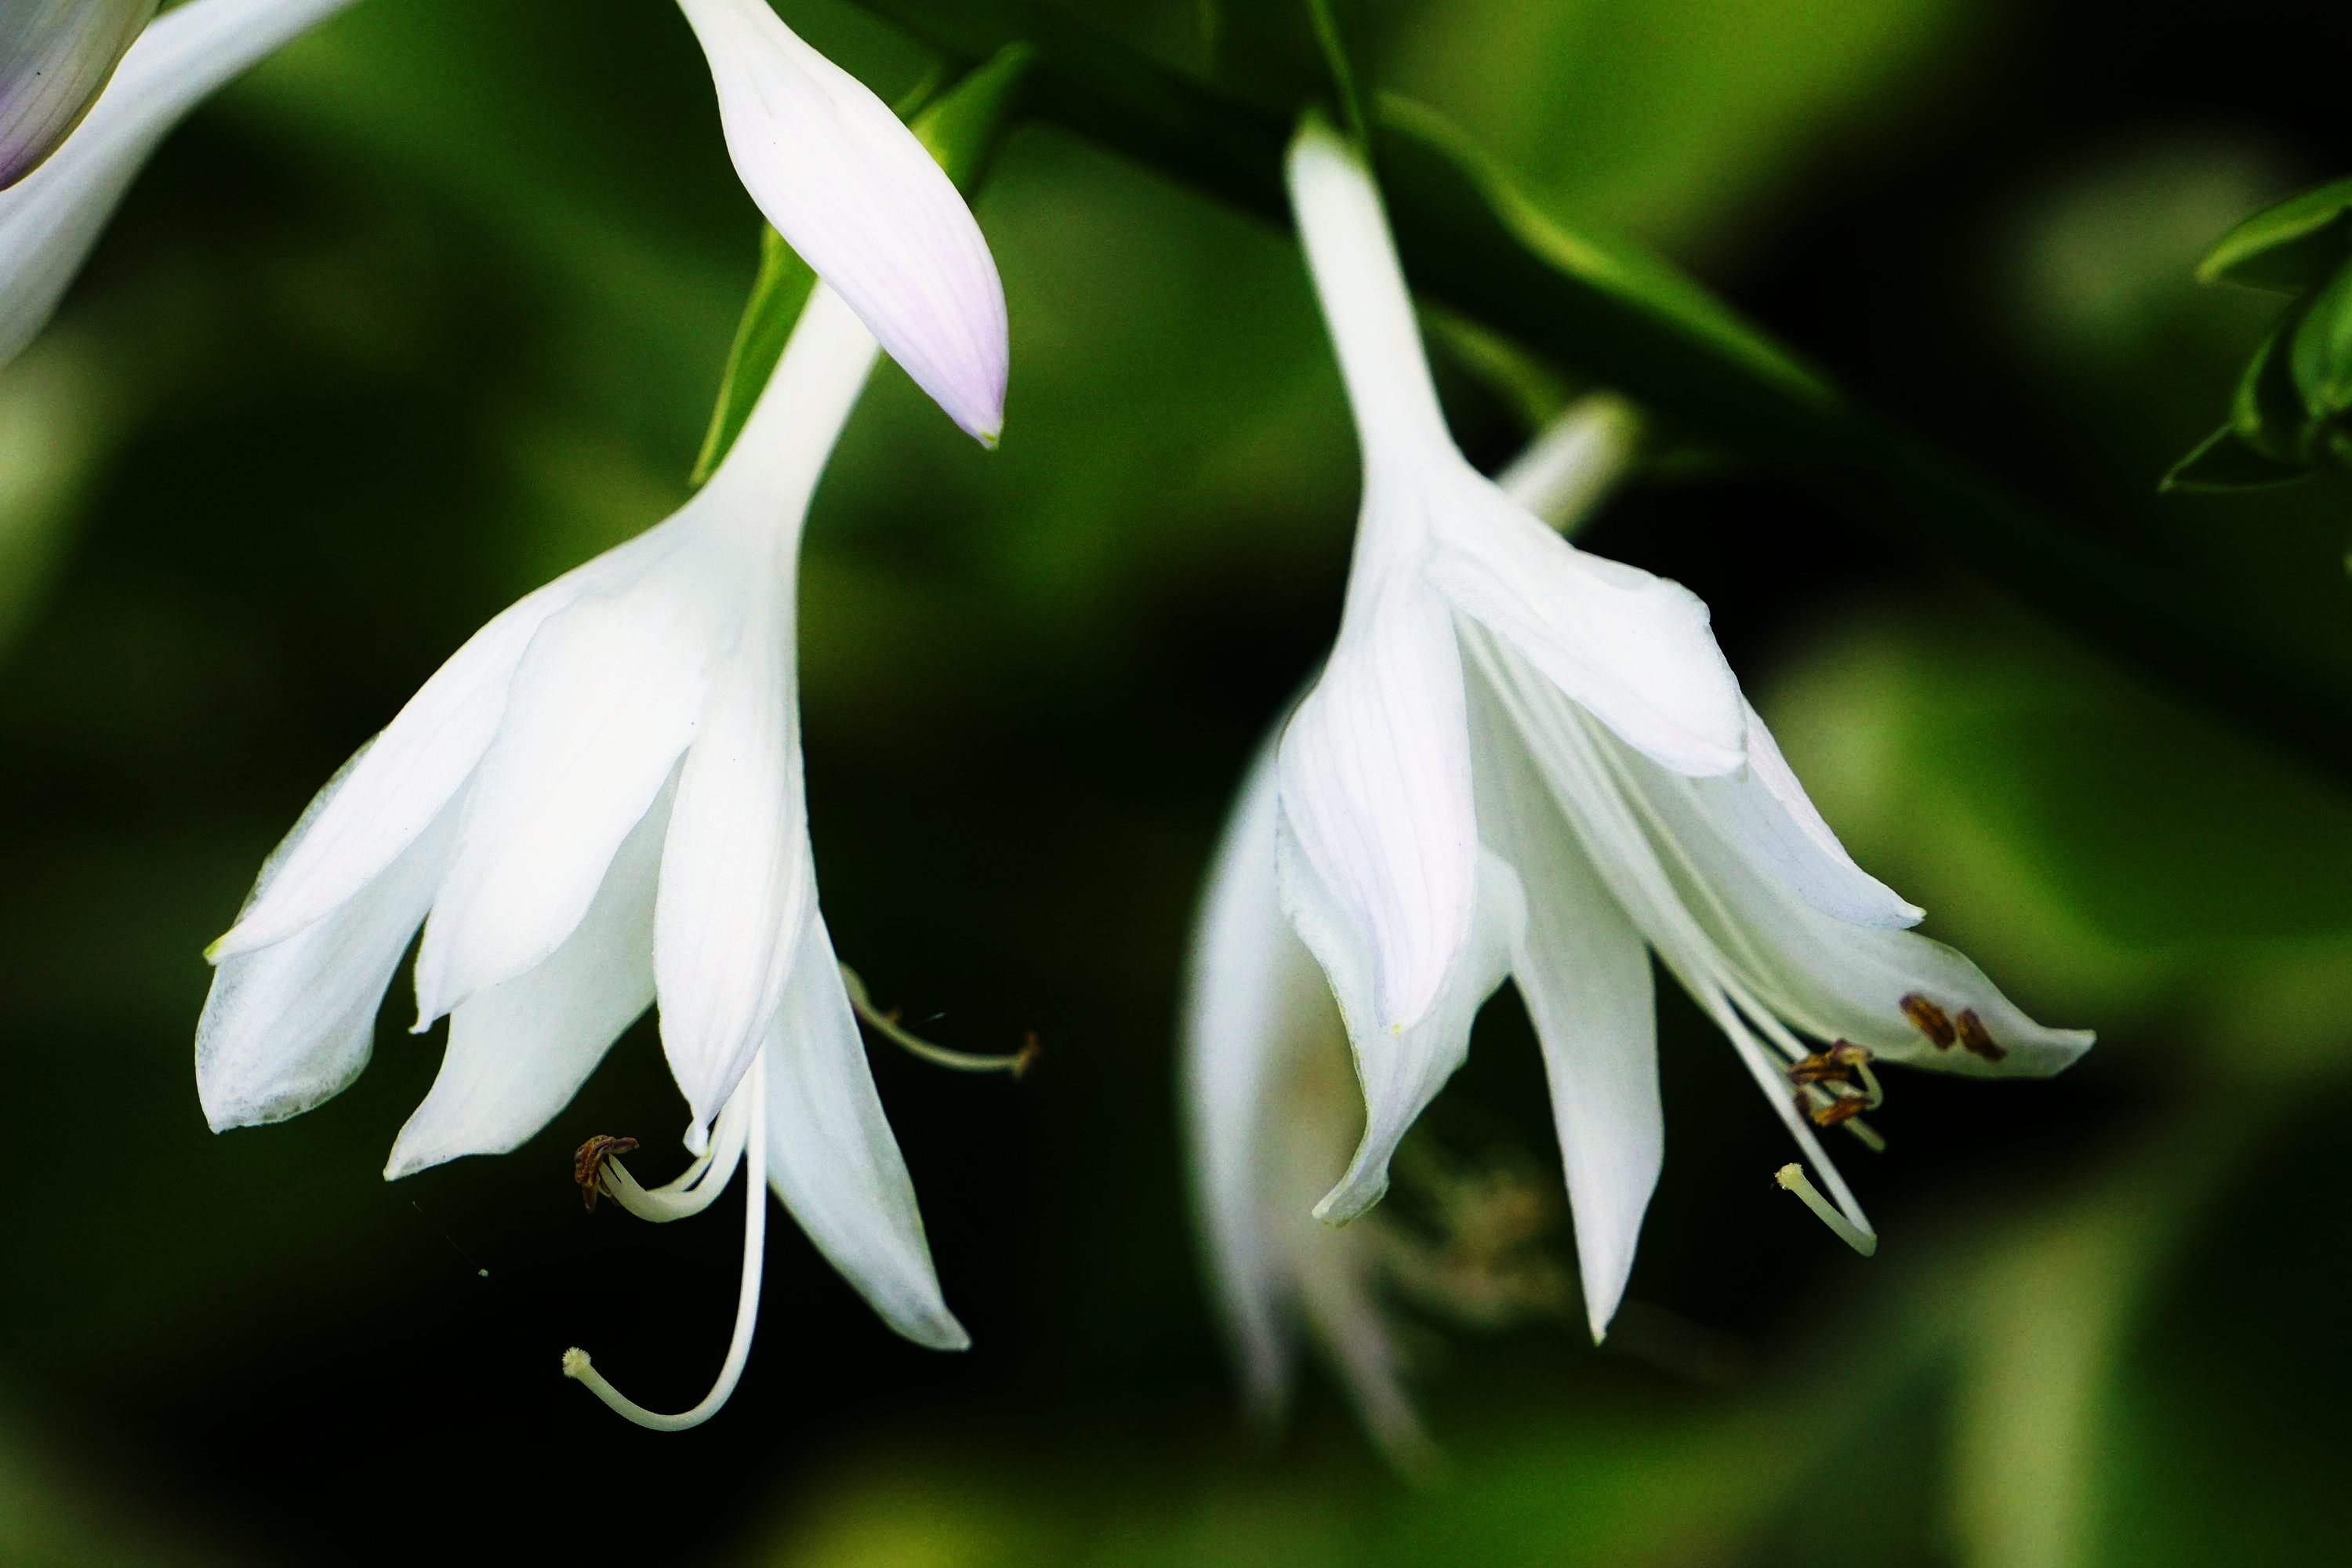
<point>433,306</point>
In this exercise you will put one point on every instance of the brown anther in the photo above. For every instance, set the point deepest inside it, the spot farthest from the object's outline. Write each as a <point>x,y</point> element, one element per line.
<point>1833,1066</point>
<point>588,1165</point>
<point>1976,1040</point>
<point>1845,1107</point>
<point>1930,1020</point>
<point>1027,1056</point>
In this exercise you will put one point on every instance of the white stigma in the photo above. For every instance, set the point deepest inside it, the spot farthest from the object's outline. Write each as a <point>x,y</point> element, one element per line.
<point>740,1124</point>
<point>1793,1176</point>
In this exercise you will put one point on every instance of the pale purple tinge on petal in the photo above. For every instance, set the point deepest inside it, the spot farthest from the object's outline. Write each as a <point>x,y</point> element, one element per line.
<point>1635,651</point>
<point>1249,984</point>
<point>833,1158</point>
<point>1375,783</point>
<point>604,701</point>
<point>1583,969</point>
<point>50,217</point>
<point>287,1026</point>
<point>519,1051</point>
<point>864,204</point>
<point>56,56</point>
<point>1837,980</point>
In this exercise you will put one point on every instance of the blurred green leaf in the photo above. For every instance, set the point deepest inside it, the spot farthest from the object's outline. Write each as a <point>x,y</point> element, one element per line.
<point>2289,248</point>
<point>2228,461</point>
<point>2321,359</point>
<point>781,288</point>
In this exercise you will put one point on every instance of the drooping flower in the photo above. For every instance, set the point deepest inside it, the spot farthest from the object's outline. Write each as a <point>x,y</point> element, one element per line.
<point>1525,760</point>
<point>596,804</point>
<point>830,167</point>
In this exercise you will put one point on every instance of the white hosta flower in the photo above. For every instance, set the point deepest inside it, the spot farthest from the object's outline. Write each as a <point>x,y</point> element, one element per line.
<point>1523,760</point>
<point>595,803</point>
<point>832,169</point>
<point>50,217</point>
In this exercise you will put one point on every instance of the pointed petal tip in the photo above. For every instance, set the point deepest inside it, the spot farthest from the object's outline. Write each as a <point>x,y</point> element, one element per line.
<point>1356,1195</point>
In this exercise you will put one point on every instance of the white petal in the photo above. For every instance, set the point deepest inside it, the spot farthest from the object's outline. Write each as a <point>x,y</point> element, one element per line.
<point>737,890</point>
<point>603,702</point>
<point>1375,777</point>
<point>832,1158</point>
<point>1583,969</point>
<point>519,1052</point>
<point>1766,815</point>
<point>1360,285</point>
<point>401,781</point>
<point>1252,986</point>
<point>1636,651</point>
<point>858,197</point>
<point>290,1026</point>
<point>1831,979</point>
<point>55,58</point>
<point>1401,1069</point>
<point>49,219</point>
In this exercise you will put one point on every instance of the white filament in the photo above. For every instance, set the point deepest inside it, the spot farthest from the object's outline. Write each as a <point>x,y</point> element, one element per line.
<point>699,1185</point>
<point>1793,1176</point>
<point>747,1107</point>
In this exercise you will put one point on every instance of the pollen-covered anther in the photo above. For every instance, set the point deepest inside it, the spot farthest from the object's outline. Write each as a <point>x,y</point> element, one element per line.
<point>1933,1021</point>
<point>1835,1065</point>
<point>1976,1040</point>
<point>1843,1107</point>
<point>588,1166</point>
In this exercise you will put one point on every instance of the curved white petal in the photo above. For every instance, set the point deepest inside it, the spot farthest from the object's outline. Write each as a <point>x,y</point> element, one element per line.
<point>401,781</point>
<point>1634,650</point>
<point>1401,1069</point>
<point>1375,783</point>
<point>1766,815</point>
<point>1251,985</point>
<point>1583,969</point>
<point>55,58</point>
<point>49,219</point>
<point>833,1160</point>
<point>737,890</point>
<point>603,702</point>
<point>1831,979</point>
<point>518,1052</point>
<point>858,197</point>
<point>288,1027</point>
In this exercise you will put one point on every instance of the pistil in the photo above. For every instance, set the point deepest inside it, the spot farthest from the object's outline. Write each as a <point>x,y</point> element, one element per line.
<point>1793,1176</point>
<point>747,1109</point>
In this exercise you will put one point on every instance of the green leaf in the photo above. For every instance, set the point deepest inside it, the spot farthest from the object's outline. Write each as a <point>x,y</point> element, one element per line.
<point>2226,461</point>
<point>2321,357</point>
<point>782,286</point>
<point>2267,410</point>
<point>2288,248</point>
<point>963,129</point>
<point>1628,275</point>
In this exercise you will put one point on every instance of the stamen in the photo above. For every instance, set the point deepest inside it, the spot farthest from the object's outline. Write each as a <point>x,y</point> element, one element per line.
<point>1793,1176</point>
<point>576,1364</point>
<point>887,1024</point>
<point>698,1186</point>
<point>588,1165</point>
<point>1929,1020</point>
<point>1976,1040</point>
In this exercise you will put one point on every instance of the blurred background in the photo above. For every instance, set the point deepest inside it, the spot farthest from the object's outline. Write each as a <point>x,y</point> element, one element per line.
<point>433,306</point>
